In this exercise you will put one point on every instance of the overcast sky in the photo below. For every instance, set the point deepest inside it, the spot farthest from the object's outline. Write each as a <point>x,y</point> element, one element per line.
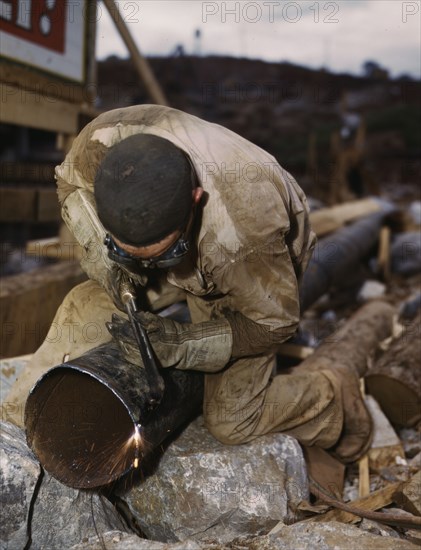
<point>339,35</point>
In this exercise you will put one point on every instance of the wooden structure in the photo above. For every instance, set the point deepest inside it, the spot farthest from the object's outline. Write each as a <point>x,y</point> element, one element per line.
<point>47,69</point>
<point>48,87</point>
<point>48,83</point>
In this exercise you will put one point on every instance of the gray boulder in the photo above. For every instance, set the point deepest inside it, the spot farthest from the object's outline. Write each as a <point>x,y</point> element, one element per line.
<point>35,506</point>
<point>326,536</point>
<point>204,490</point>
<point>116,540</point>
<point>19,472</point>
<point>301,536</point>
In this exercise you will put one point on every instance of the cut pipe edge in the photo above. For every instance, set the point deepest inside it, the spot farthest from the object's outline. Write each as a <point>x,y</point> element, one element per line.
<point>88,420</point>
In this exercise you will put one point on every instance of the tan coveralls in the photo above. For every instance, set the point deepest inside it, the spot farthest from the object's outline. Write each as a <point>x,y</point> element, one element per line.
<point>252,243</point>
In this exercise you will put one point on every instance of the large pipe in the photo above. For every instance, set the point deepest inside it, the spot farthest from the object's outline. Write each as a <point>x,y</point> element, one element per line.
<point>336,256</point>
<point>88,420</point>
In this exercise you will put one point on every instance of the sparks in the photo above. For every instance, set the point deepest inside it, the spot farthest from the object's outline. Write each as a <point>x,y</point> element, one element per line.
<point>137,439</point>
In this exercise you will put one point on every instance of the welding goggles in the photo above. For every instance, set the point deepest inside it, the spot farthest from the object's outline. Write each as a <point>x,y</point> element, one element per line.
<point>169,258</point>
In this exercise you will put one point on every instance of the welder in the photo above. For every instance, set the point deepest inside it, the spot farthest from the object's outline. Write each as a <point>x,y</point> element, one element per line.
<point>188,210</point>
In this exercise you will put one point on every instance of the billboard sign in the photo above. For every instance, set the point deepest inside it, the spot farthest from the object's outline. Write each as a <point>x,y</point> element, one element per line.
<point>45,34</point>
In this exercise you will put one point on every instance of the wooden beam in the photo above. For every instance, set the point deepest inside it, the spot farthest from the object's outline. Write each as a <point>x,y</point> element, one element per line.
<point>29,204</point>
<point>141,64</point>
<point>17,205</point>
<point>35,110</point>
<point>327,220</point>
<point>52,88</point>
<point>383,257</point>
<point>28,303</point>
<point>363,466</point>
<point>376,500</point>
<point>26,172</point>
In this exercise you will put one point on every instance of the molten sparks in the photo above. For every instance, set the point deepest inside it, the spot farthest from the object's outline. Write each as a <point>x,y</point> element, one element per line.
<point>137,439</point>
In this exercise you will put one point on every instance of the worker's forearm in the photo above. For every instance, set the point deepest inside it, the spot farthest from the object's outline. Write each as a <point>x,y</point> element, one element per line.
<point>250,338</point>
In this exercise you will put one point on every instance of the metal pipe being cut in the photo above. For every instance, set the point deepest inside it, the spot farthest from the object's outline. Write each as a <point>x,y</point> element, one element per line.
<point>89,420</point>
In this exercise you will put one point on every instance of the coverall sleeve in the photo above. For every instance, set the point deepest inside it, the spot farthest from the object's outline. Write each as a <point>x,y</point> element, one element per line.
<point>264,306</point>
<point>75,185</point>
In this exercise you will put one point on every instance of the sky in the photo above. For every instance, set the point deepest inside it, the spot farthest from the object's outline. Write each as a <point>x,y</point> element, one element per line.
<point>339,35</point>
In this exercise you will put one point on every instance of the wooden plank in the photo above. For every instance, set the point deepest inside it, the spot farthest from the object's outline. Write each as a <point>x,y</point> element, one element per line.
<point>375,501</point>
<point>17,205</point>
<point>364,471</point>
<point>35,110</point>
<point>27,172</point>
<point>327,220</point>
<point>29,204</point>
<point>48,208</point>
<point>383,258</point>
<point>26,78</point>
<point>141,64</point>
<point>28,303</point>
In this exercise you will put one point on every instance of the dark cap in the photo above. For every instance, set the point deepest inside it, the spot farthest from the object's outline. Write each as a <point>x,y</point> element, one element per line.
<point>143,189</point>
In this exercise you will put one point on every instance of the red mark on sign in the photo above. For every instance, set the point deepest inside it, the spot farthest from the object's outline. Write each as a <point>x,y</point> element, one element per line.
<point>42,22</point>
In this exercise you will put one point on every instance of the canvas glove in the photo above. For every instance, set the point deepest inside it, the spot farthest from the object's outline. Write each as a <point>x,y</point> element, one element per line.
<point>202,346</point>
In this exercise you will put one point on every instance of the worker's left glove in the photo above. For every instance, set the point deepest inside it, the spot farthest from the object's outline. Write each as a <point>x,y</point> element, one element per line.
<point>203,346</point>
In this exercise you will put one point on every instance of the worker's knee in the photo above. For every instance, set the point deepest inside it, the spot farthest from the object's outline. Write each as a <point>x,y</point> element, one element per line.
<point>87,294</point>
<point>228,434</point>
<point>230,425</point>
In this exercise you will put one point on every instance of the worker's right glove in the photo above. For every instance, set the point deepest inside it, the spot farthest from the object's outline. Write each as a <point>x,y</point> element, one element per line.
<point>204,346</point>
<point>116,278</point>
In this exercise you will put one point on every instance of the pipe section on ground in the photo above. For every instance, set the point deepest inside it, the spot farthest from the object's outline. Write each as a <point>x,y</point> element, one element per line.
<point>88,421</point>
<point>335,256</point>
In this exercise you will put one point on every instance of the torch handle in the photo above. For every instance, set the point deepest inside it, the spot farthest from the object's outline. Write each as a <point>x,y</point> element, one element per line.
<point>153,377</point>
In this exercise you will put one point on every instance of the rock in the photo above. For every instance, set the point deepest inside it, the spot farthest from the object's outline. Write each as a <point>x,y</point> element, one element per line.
<point>409,496</point>
<point>371,290</point>
<point>10,369</point>
<point>377,528</point>
<point>414,211</point>
<point>116,540</point>
<point>406,253</point>
<point>410,308</point>
<point>64,516</point>
<point>59,516</point>
<point>19,473</point>
<point>326,536</point>
<point>411,441</point>
<point>415,462</point>
<point>205,490</point>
